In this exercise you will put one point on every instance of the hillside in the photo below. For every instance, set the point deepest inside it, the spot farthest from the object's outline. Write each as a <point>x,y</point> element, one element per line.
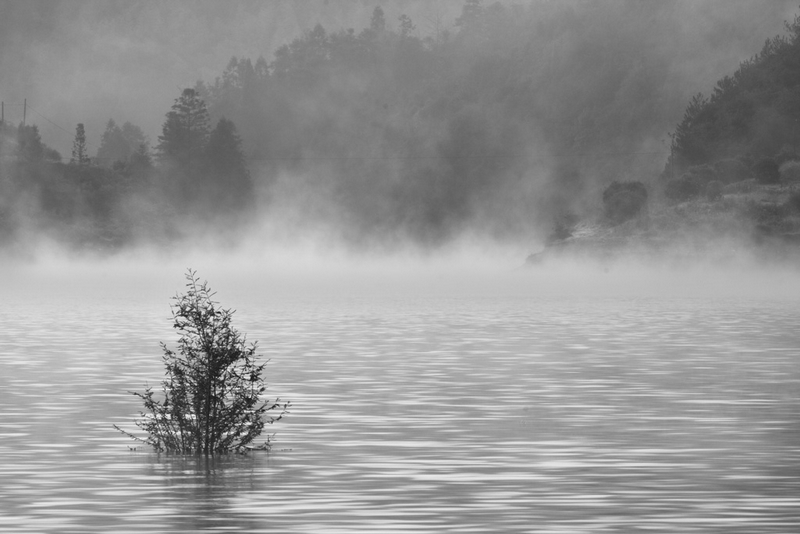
<point>731,186</point>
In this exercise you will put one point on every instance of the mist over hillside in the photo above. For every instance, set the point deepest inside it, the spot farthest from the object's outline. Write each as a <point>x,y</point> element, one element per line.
<point>413,123</point>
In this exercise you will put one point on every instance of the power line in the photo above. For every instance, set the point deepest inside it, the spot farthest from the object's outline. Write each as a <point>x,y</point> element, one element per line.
<point>11,104</point>
<point>48,120</point>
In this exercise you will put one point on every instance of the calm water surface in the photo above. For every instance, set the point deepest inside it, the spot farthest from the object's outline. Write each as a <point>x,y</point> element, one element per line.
<point>437,413</point>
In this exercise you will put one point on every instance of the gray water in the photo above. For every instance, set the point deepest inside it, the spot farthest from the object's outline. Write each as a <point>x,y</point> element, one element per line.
<point>448,412</point>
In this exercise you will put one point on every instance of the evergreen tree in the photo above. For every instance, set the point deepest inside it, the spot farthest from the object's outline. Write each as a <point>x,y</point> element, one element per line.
<point>119,144</point>
<point>406,26</point>
<point>140,159</point>
<point>112,145</point>
<point>134,136</point>
<point>378,21</point>
<point>185,131</point>
<point>80,154</point>
<point>30,148</point>
<point>229,184</point>
<point>470,13</point>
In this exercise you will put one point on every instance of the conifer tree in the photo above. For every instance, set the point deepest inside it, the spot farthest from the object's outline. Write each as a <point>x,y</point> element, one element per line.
<point>185,131</point>
<point>80,154</point>
<point>229,180</point>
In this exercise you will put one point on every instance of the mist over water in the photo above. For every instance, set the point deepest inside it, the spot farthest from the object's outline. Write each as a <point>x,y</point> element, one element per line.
<point>439,381</point>
<point>387,160</point>
<point>428,395</point>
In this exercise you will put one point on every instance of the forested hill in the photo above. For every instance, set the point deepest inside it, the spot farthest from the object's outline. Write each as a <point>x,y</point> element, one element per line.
<point>513,116</point>
<point>753,114</point>
<point>510,120</point>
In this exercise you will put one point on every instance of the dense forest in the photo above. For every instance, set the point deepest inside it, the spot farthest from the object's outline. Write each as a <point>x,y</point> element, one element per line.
<point>748,128</point>
<point>496,126</point>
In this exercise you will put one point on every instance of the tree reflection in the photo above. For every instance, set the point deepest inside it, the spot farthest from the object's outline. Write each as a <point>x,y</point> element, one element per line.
<point>200,489</point>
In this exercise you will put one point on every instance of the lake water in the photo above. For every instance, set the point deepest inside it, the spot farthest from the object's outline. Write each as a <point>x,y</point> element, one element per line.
<point>497,408</point>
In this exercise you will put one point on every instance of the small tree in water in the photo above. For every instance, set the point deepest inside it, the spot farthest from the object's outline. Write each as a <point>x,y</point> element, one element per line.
<point>213,385</point>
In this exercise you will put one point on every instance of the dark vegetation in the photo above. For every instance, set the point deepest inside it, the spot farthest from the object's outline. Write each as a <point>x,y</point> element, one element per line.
<point>733,176</point>
<point>211,399</point>
<point>125,194</point>
<point>624,201</point>
<point>381,134</point>
<point>749,126</point>
<point>751,115</point>
<point>741,144</point>
<point>498,125</point>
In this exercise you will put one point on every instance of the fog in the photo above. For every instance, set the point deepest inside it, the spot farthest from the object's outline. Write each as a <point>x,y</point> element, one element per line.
<point>90,60</point>
<point>481,171</point>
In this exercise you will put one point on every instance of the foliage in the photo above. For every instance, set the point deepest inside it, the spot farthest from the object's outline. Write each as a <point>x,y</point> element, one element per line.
<point>228,183</point>
<point>80,153</point>
<point>388,136</point>
<point>684,188</point>
<point>755,110</point>
<point>731,170</point>
<point>212,394</point>
<point>30,148</point>
<point>185,130</point>
<point>377,112</point>
<point>119,144</point>
<point>624,201</point>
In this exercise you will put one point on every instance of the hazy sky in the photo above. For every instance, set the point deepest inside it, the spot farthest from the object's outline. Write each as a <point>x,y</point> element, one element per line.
<point>91,60</point>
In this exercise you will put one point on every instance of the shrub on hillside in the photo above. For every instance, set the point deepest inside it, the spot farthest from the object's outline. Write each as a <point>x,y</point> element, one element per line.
<point>623,201</point>
<point>684,188</point>
<point>766,171</point>
<point>702,173</point>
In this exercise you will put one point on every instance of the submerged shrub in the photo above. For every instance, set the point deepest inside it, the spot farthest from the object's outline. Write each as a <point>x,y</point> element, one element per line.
<point>212,392</point>
<point>624,200</point>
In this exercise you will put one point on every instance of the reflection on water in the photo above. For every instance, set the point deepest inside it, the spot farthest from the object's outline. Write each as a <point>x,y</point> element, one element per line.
<point>428,415</point>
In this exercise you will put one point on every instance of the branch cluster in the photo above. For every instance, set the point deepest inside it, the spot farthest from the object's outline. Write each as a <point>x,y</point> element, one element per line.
<point>213,388</point>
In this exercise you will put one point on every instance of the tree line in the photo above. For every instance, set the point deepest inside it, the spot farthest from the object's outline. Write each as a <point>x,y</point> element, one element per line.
<point>511,118</point>
<point>747,128</point>
<point>128,192</point>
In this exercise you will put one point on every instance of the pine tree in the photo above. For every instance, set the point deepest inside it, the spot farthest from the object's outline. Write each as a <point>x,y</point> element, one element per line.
<point>30,148</point>
<point>378,21</point>
<point>112,145</point>
<point>80,154</point>
<point>185,131</point>
<point>406,26</point>
<point>228,180</point>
